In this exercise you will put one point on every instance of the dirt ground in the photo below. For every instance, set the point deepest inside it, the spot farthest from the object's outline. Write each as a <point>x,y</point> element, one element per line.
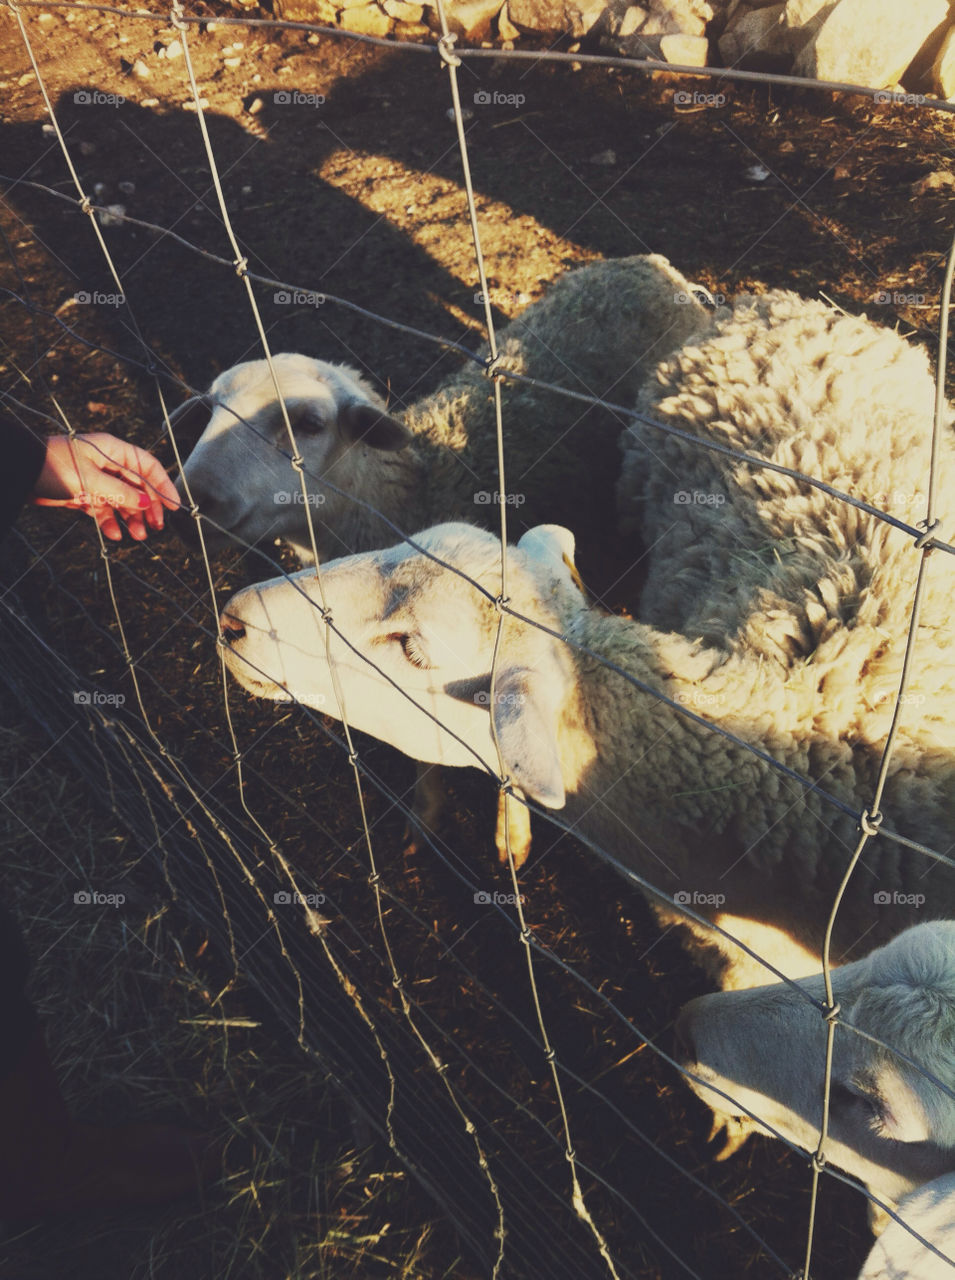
<point>340,168</point>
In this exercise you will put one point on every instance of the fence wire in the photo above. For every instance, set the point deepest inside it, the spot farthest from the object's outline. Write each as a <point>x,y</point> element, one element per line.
<point>145,776</point>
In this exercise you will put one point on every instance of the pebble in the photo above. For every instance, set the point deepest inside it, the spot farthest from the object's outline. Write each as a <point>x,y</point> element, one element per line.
<point>604,157</point>
<point>255,106</point>
<point>46,20</point>
<point>149,102</point>
<point>232,62</point>
<point>26,78</point>
<point>48,129</point>
<point>174,49</point>
<point>757,173</point>
<point>111,216</point>
<point>140,70</point>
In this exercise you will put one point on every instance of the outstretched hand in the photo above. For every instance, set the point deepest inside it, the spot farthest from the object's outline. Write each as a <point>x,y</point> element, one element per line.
<point>109,478</point>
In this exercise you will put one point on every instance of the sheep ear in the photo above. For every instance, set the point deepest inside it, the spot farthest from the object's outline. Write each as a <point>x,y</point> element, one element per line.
<point>192,415</point>
<point>526,726</point>
<point>551,547</point>
<point>366,424</point>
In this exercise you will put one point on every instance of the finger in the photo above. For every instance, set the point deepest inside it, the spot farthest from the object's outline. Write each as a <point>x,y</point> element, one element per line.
<point>109,525</point>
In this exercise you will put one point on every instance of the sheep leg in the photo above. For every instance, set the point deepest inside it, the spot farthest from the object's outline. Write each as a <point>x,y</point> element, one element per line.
<point>514,825</point>
<point>426,807</point>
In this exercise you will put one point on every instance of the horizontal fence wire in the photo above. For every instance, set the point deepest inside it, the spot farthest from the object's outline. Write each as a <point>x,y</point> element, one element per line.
<point>128,752</point>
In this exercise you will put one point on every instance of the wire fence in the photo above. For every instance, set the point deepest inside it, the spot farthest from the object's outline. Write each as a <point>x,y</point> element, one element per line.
<point>385,1042</point>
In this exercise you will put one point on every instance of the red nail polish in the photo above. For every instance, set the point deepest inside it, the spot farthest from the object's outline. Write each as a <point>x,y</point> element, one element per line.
<point>144,501</point>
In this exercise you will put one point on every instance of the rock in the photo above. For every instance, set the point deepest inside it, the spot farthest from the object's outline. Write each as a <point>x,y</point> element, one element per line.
<point>505,27</point>
<point>140,70</point>
<point>174,49</point>
<point>685,51</point>
<point>26,78</point>
<point>933,182</point>
<point>633,19</point>
<point>149,102</point>
<point>401,11</point>
<point>754,35</point>
<point>232,62</point>
<point>366,19</point>
<point>46,21</point>
<point>870,42</point>
<point>677,18</point>
<point>571,17</point>
<point>472,19</point>
<point>322,12</point>
<point>111,216</point>
<point>943,68</point>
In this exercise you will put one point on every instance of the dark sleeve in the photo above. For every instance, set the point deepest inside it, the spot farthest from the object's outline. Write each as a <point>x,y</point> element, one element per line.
<point>21,461</point>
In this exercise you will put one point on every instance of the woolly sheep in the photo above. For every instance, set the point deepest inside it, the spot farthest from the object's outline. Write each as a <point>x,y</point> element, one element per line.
<point>598,331</point>
<point>889,1126</point>
<point>898,1255</point>
<point>780,615</point>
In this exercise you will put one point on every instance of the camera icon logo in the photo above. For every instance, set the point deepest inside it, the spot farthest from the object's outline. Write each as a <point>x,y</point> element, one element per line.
<point>82,97</point>
<point>82,698</point>
<point>482,698</point>
<point>882,899</point>
<point>683,898</point>
<point>682,498</point>
<point>282,98</point>
<point>482,98</point>
<point>282,298</point>
<point>282,898</point>
<point>82,897</point>
<point>482,898</point>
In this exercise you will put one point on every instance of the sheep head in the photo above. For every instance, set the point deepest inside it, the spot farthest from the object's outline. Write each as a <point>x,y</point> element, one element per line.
<point>244,449</point>
<point>889,1125</point>
<point>412,648</point>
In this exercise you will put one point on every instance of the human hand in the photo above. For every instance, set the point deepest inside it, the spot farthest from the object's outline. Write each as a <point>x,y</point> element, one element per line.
<point>106,477</point>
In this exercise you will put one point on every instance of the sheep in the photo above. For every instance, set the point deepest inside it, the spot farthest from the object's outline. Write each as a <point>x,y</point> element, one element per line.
<point>889,1126</point>
<point>598,330</point>
<point>780,617</point>
<point>898,1255</point>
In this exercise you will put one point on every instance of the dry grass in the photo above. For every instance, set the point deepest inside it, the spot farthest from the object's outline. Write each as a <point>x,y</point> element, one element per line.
<point>138,1027</point>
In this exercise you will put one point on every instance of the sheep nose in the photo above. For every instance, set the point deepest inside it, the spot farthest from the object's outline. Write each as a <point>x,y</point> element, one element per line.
<point>232,629</point>
<point>684,1048</point>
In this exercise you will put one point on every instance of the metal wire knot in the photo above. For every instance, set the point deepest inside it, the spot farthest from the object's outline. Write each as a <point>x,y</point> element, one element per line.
<point>175,16</point>
<point>446,50</point>
<point>924,540</point>
<point>870,822</point>
<point>832,1011</point>
<point>241,266</point>
<point>501,602</point>
<point>817,1162</point>
<point>494,367</point>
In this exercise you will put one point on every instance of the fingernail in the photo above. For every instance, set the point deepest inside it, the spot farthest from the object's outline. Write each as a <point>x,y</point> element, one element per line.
<point>144,501</point>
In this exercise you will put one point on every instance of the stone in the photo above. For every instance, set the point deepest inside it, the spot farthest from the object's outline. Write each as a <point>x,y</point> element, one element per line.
<point>633,19</point>
<point>505,27</point>
<point>46,21</point>
<point>401,11</point>
<point>936,181</point>
<point>943,68</point>
<point>685,51</point>
<point>366,20</point>
<point>472,19</point>
<point>322,12</point>
<point>570,17</point>
<point>140,70</point>
<point>870,42</point>
<point>754,35</point>
<point>677,18</point>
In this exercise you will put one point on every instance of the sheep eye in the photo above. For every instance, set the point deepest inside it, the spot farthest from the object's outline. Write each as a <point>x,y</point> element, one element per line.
<point>842,1096</point>
<point>409,648</point>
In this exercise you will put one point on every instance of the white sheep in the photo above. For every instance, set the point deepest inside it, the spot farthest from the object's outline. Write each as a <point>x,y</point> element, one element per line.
<point>898,1255</point>
<point>889,1126</point>
<point>598,330</point>
<point>781,616</point>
